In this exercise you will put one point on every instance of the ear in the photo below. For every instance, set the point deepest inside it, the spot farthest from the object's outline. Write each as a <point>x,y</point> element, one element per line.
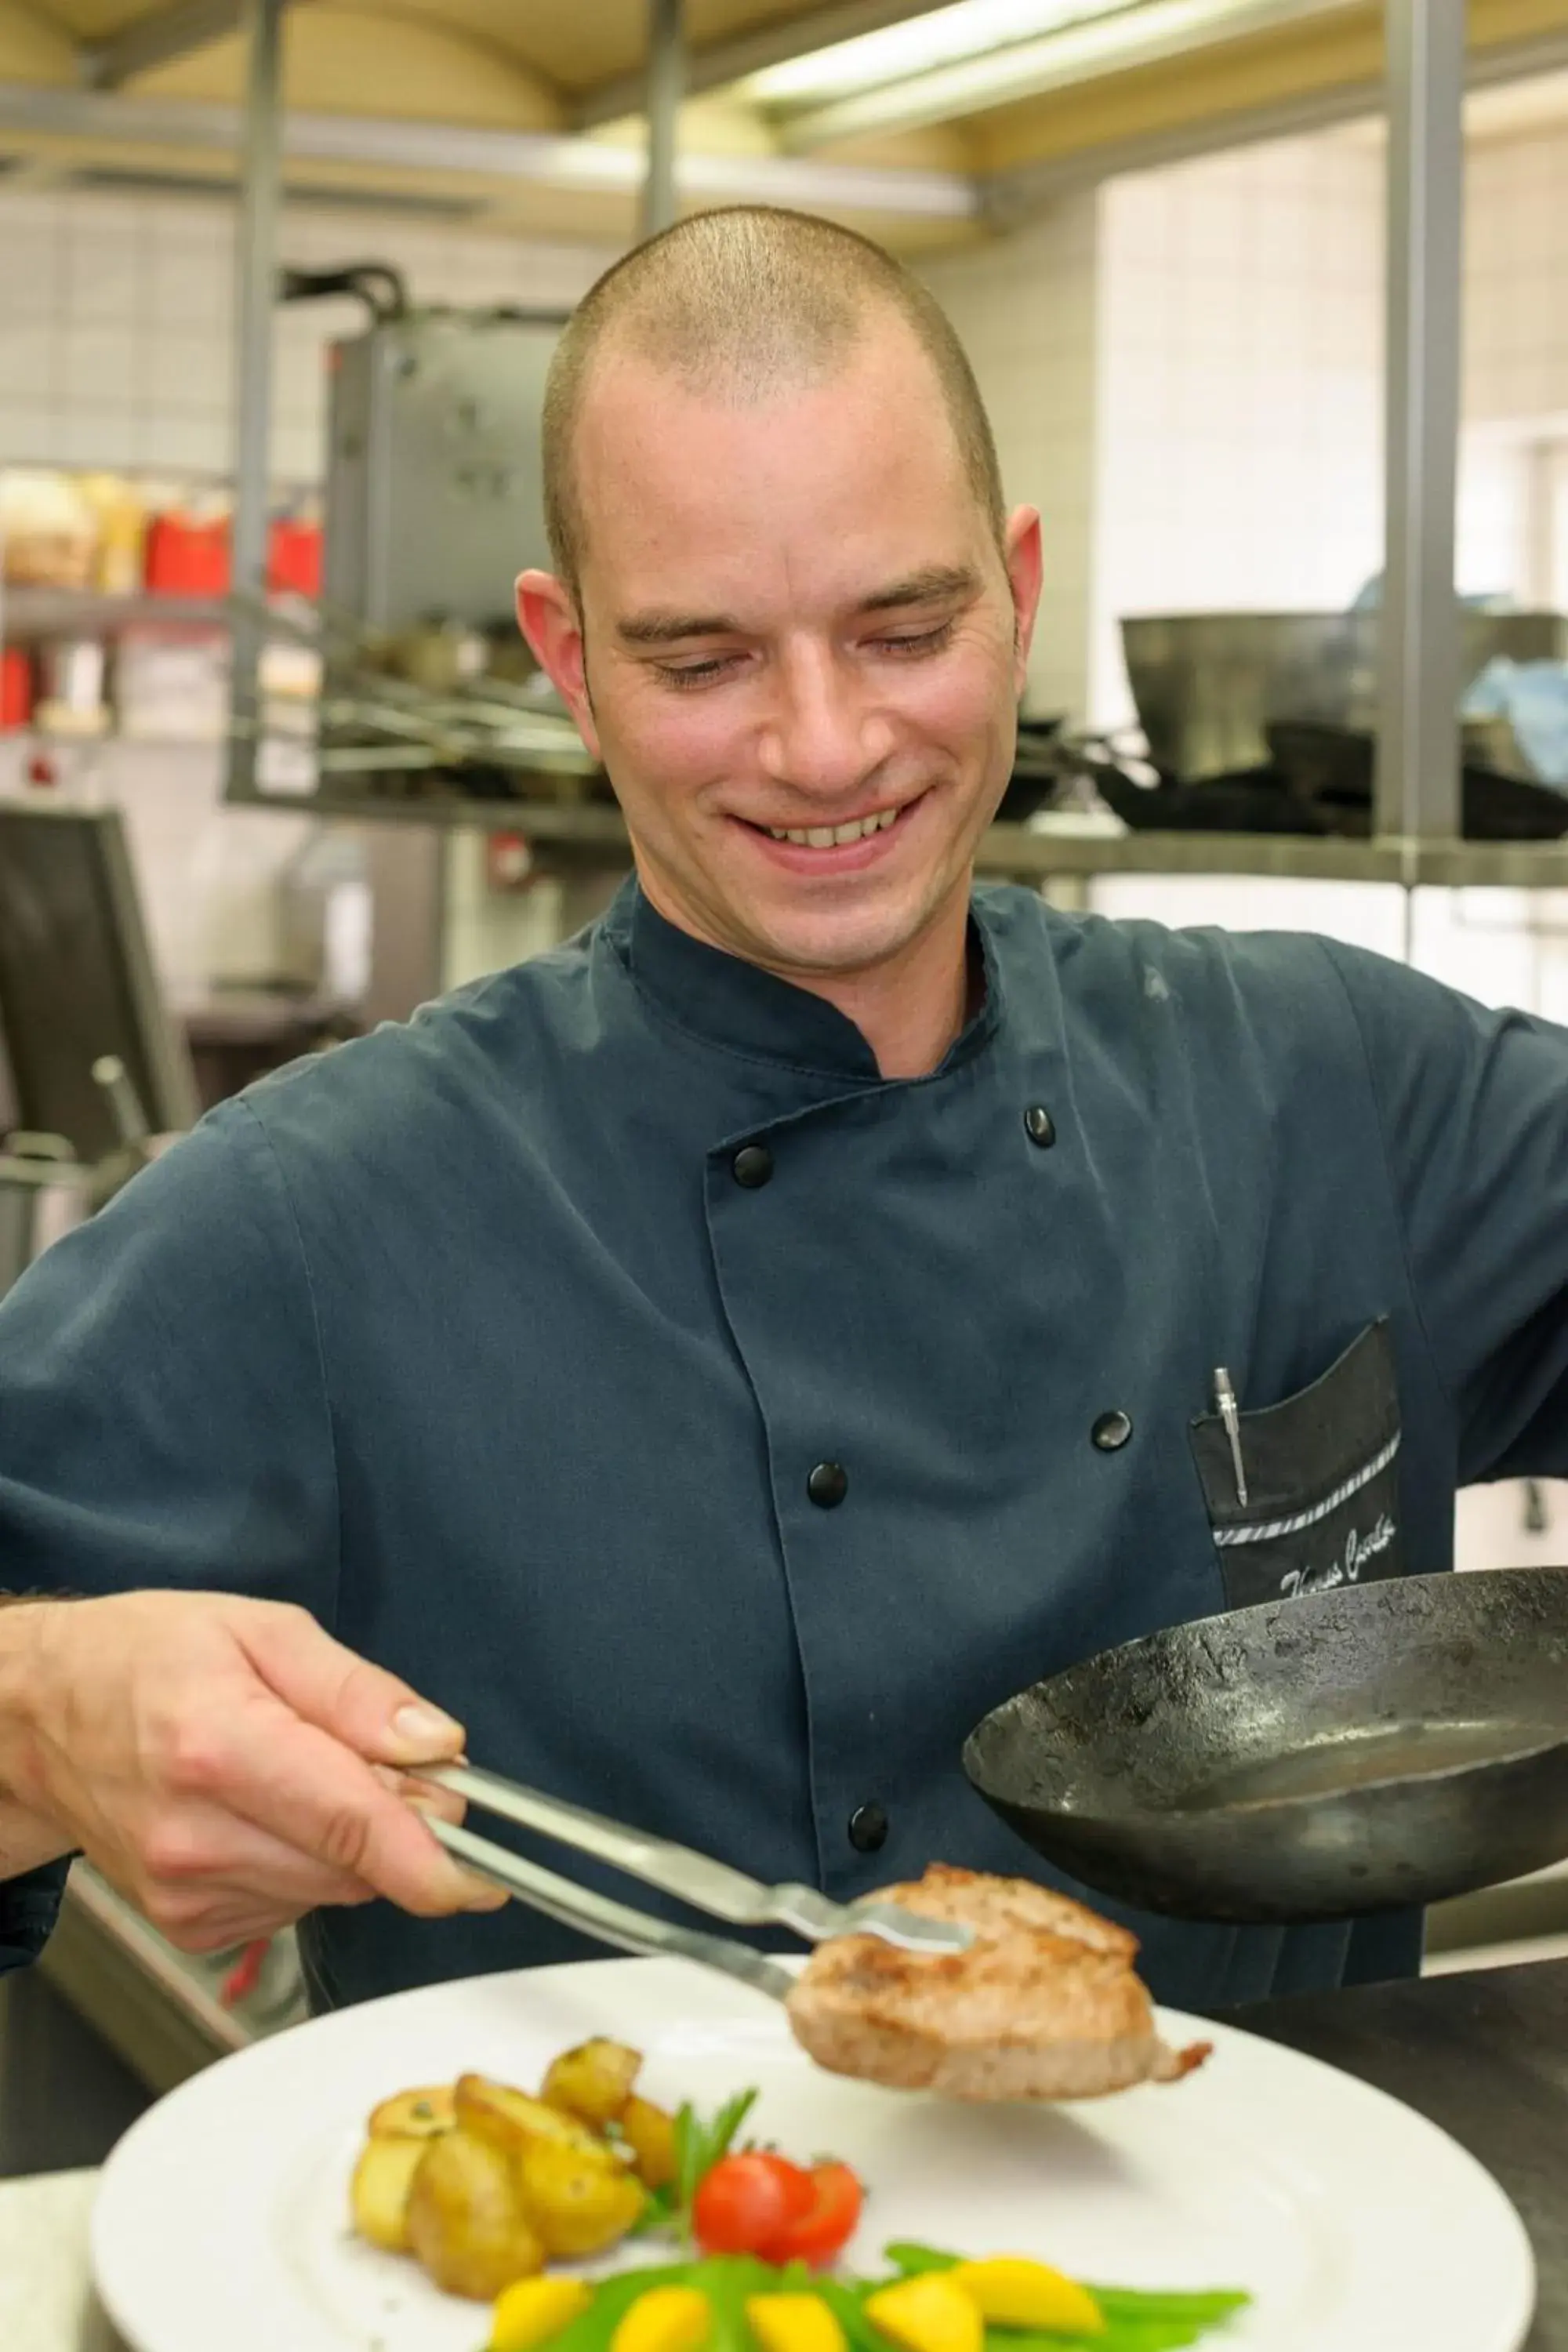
<point>549,619</point>
<point>1025,563</point>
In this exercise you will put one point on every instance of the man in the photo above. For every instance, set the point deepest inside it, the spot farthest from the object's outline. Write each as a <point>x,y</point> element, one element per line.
<point>720,1360</point>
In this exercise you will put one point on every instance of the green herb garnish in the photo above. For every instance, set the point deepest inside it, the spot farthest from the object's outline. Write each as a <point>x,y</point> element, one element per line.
<point>699,2146</point>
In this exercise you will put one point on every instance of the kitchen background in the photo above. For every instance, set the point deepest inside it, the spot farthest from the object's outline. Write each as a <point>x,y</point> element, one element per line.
<point>1184,369</point>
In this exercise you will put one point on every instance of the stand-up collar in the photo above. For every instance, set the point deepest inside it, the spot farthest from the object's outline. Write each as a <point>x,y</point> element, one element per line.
<point>737,1005</point>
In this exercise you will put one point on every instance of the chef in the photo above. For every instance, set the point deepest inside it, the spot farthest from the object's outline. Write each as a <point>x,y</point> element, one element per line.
<point>708,1365</point>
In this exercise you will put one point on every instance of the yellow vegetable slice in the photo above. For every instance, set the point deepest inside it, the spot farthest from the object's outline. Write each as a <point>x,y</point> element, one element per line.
<point>414,2114</point>
<point>381,2185</point>
<point>1013,2292</point>
<point>532,2310</point>
<point>665,2319</point>
<point>928,2313</point>
<point>795,2323</point>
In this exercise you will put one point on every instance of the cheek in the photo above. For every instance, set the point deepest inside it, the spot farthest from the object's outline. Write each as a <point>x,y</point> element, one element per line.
<point>680,739</point>
<point>958,704</point>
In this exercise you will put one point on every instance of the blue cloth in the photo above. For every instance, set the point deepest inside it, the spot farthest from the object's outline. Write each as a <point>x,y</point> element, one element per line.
<point>1532,696</point>
<point>466,1338</point>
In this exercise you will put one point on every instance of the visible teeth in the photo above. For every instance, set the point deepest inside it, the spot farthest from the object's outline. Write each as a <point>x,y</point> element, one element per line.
<point>832,836</point>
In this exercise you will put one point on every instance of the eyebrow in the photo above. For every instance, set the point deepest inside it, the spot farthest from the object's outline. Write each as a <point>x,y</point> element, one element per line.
<point>931,586</point>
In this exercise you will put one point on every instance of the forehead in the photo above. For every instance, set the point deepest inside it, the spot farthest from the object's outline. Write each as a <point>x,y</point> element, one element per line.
<point>857,464</point>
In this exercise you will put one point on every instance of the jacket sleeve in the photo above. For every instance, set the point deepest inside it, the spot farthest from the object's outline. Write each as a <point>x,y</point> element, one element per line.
<point>163,1410</point>
<point>1473,1105</point>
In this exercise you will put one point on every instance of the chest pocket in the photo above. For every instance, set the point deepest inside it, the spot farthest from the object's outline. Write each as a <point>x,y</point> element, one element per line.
<point>1321,1474</point>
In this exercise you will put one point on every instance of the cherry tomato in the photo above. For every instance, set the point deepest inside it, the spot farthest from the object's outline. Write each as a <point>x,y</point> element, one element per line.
<point>825,2225</point>
<point>743,2203</point>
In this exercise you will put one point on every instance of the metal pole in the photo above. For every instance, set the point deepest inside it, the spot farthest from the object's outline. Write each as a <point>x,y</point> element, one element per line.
<point>1418,759</point>
<point>666,84</point>
<point>256,271</point>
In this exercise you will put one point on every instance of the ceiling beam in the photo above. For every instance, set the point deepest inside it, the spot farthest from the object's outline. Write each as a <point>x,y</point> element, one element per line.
<point>1024,190</point>
<point>719,63</point>
<point>149,42</point>
<point>535,158</point>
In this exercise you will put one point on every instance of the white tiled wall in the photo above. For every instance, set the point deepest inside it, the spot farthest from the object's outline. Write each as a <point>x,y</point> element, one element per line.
<point>1026,310</point>
<point>116,317</point>
<point>1516,290</point>
<point>1240,389</point>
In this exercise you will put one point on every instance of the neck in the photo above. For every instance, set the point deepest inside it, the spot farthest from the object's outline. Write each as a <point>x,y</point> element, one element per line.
<point>909,1009</point>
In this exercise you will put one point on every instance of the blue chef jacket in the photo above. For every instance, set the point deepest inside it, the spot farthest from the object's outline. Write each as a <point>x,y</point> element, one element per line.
<point>481,1339</point>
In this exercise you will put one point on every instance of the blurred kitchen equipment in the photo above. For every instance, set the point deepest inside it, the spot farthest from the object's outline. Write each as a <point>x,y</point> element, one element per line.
<point>48,531</point>
<point>433,502</point>
<point>1332,767</point>
<point>171,684</point>
<point>1207,683</point>
<point>72,700</point>
<point>76,981</point>
<point>326,916</point>
<point>1353,1750</point>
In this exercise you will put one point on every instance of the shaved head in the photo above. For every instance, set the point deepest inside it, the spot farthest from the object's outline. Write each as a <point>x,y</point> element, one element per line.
<point>740,305</point>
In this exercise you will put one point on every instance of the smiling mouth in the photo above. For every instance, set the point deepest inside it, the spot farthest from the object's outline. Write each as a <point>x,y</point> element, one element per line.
<point>832,836</point>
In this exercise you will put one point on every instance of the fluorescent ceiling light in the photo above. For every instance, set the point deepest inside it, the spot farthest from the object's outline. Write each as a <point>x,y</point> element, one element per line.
<point>1106,40</point>
<point>941,37</point>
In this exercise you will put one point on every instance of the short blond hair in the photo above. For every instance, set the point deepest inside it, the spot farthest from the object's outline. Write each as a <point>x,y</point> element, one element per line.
<point>747,299</point>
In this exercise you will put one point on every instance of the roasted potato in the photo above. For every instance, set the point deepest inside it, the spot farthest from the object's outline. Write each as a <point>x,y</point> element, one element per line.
<point>512,2118</point>
<point>467,2222</point>
<point>379,2192</point>
<point>593,2082</point>
<point>649,2134</point>
<point>415,2115</point>
<point>576,2202</point>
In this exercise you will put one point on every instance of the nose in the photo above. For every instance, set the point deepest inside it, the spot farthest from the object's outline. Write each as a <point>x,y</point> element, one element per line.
<point>824,734</point>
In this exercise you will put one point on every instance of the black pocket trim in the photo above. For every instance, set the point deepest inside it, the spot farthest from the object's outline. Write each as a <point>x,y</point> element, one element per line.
<point>1269,1530</point>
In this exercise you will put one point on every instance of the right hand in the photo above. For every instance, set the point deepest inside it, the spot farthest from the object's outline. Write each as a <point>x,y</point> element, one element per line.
<point>225,1764</point>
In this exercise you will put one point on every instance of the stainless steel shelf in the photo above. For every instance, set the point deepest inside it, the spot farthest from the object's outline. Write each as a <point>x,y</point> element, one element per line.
<point>31,615</point>
<point>1019,851</point>
<point>1444,864</point>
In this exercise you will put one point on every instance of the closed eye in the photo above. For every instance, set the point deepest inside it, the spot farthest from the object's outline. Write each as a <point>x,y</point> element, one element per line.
<point>920,641</point>
<point>903,645</point>
<point>686,675</point>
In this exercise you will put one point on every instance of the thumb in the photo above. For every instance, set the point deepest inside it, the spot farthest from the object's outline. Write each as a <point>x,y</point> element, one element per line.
<point>376,1713</point>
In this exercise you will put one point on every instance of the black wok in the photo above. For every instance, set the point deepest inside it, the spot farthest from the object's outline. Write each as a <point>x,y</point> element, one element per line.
<point>1350,1751</point>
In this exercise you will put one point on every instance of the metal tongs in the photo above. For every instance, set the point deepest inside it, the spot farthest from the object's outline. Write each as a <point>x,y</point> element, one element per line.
<point>692,1878</point>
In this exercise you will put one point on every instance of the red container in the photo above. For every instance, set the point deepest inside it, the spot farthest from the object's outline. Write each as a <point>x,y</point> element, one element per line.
<point>16,688</point>
<point>186,559</point>
<point>294,558</point>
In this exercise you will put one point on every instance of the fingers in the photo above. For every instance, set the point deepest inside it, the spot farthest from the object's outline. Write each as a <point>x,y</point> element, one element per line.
<point>303,1786</point>
<point>374,1713</point>
<point>208,1880</point>
<point>421,1794</point>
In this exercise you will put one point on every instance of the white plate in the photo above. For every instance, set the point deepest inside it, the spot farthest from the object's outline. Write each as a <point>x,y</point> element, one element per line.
<point>1354,2223</point>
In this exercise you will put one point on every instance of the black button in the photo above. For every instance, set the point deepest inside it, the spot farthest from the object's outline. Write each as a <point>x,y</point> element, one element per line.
<point>1039,1126</point>
<point>868,1829</point>
<point>828,1485</point>
<point>752,1166</point>
<point>1111,1432</point>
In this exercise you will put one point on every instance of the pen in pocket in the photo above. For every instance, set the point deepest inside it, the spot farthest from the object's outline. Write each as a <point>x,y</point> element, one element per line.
<point>1225,1398</point>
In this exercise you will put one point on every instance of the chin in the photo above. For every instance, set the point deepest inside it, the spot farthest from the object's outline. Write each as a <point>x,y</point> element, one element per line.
<point>838,939</point>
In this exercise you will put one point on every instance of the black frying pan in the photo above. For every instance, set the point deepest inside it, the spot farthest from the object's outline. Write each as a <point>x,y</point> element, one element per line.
<point>1350,1751</point>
